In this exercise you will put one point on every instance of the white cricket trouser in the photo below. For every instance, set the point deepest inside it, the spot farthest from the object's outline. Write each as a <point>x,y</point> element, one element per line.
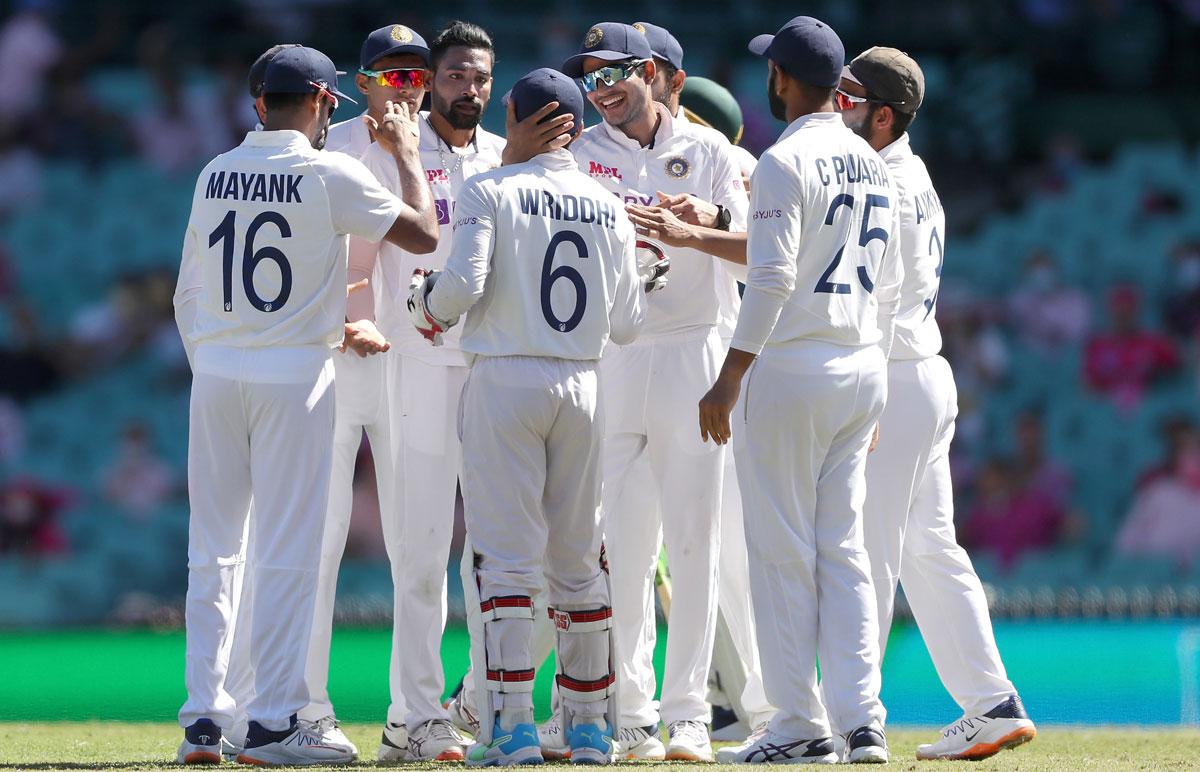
<point>426,458</point>
<point>362,403</point>
<point>531,438</point>
<point>239,676</point>
<point>809,409</point>
<point>734,599</point>
<point>908,524</point>
<point>272,442</point>
<point>650,390</point>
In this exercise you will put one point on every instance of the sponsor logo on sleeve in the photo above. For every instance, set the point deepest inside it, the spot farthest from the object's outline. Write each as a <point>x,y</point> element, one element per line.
<point>767,214</point>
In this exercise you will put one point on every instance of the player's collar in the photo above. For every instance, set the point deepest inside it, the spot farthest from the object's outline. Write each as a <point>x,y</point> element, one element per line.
<point>666,130</point>
<point>431,141</point>
<point>556,159</point>
<point>898,149</point>
<point>277,138</point>
<point>812,119</point>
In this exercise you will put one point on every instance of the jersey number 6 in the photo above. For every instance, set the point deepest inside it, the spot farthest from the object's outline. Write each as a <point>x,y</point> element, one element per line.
<point>251,259</point>
<point>865,236</point>
<point>563,272</point>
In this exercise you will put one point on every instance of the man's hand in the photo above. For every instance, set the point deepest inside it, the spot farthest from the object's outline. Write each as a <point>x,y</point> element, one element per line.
<point>690,209</point>
<point>397,131</point>
<point>364,338</point>
<point>361,284</point>
<point>716,406</point>
<point>659,224</point>
<point>430,327</point>
<point>874,440</point>
<point>527,138</point>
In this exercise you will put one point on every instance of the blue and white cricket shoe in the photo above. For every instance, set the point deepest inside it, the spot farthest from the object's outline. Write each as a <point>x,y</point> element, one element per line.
<point>520,745</point>
<point>298,745</point>
<point>591,744</point>
<point>201,744</point>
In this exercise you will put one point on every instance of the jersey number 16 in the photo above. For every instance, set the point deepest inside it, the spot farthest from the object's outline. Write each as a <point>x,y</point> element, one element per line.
<point>251,258</point>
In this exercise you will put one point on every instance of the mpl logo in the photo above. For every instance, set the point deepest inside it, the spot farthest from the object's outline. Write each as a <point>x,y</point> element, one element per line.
<point>600,170</point>
<point>437,175</point>
<point>443,211</point>
<point>562,620</point>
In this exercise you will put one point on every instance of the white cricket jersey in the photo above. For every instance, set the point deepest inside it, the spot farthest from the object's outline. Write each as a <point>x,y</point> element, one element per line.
<point>350,137</point>
<point>446,169</point>
<point>679,160</point>
<point>544,259</point>
<point>922,244</point>
<point>264,255</point>
<point>823,246</point>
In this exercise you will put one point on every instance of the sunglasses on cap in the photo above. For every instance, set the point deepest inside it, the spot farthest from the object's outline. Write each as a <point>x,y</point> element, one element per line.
<point>401,77</point>
<point>610,75</point>
<point>851,100</point>
<point>324,91</point>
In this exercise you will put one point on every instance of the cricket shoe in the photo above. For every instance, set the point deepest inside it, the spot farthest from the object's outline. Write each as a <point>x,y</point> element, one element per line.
<point>591,743</point>
<point>331,734</point>
<point>688,741</point>
<point>201,744</point>
<point>767,747</point>
<point>295,746</point>
<point>640,743</point>
<point>554,743</point>
<point>229,750</point>
<point>393,746</point>
<point>520,745</point>
<point>867,745</point>
<point>461,714</point>
<point>436,740</point>
<point>978,737</point>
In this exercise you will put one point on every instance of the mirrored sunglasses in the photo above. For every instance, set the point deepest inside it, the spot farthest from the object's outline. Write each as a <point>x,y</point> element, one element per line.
<point>611,75</point>
<point>404,77</point>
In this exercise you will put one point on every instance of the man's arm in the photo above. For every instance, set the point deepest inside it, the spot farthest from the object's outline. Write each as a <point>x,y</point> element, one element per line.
<point>462,282</point>
<point>660,224</point>
<point>525,139</point>
<point>187,292</point>
<point>629,299</point>
<point>416,227</point>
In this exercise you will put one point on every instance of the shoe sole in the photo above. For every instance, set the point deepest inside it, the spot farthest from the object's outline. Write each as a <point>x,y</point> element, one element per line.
<point>678,755</point>
<point>550,755</point>
<point>202,757</point>
<point>873,755</point>
<point>987,750</point>
<point>530,761</point>
<point>244,759</point>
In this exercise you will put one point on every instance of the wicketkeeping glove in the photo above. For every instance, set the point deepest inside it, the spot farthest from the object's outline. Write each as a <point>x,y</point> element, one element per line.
<point>430,327</point>
<point>653,265</point>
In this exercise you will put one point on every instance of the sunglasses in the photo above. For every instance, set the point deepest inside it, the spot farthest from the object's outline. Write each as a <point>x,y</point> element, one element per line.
<point>851,100</point>
<point>325,92</point>
<point>407,77</point>
<point>610,75</point>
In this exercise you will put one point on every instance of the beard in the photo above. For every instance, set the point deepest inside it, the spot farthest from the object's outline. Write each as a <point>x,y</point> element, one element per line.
<point>778,108</point>
<point>318,142</point>
<point>460,119</point>
<point>861,126</point>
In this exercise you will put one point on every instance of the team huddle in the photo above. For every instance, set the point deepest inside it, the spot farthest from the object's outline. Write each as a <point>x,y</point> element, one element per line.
<point>541,319</point>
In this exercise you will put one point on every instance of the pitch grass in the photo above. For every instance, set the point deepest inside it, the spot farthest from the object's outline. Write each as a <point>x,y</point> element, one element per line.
<point>110,745</point>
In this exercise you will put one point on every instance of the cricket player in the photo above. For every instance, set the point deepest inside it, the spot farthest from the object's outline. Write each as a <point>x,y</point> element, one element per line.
<point>908,519</point>
<point>530,425</point>
<point>262,408</point>
<point>640,155</point>
<point>816,322</point>
<point>393,67</point>
<point>735,650</point>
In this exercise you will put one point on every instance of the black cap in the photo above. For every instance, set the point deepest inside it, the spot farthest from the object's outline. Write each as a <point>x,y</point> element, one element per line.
<point>392,39</point>
<point>611,41</point>
<point>807,49</point>
<point>541,87</point>
<point>258,70</point>
<point>301,70</point>
<point>662,43</point>
<point>889,75</point>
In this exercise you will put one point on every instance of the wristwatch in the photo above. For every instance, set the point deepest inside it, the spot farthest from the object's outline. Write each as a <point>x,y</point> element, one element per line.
<point>724,217</point>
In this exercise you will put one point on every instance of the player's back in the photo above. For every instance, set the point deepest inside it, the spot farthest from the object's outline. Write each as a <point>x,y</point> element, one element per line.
<point>563,277</point>
<point>266,242</point>
<point>922,247</point>
<point>822,216</point>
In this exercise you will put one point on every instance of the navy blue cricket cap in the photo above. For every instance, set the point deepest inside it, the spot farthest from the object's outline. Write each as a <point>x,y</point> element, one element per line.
<point>301,70</point>
<point>662,43</point>
<point>807,49</point>
<point>389,40</point>
<point>258,70</point>
<point>541,87</point>
<point>611,41</point>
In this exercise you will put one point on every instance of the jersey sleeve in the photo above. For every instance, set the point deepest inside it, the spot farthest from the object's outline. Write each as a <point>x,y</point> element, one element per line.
<point>728,189</point>
<point>887,285</point>
<point>628,311</point>
<point>462,281</point>
<point>187,290</point>
<point>771,249</point>
<point>359,204</point>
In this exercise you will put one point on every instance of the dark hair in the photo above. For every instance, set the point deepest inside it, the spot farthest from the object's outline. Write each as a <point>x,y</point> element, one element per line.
<point>814,94</point>
<point>460,33</point>
<point>900,122</point>
<point>668,69</point>
<point>284,102</point>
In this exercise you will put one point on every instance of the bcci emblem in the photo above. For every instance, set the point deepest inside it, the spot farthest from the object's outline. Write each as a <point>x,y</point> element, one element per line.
<point>678,167</point>
<point>594,36</point>
<point>640,27</point>
<point>562,620</point>
<point>401,34</point>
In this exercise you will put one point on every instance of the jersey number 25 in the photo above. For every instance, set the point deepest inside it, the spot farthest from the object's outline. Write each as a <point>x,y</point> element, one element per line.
<point>865,236</point>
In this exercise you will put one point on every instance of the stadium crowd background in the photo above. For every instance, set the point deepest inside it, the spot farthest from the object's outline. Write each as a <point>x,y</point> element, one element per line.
<point>1061,134</point>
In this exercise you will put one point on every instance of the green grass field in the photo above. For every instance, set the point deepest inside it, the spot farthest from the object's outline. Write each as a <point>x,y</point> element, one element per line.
<point>111,745</point>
